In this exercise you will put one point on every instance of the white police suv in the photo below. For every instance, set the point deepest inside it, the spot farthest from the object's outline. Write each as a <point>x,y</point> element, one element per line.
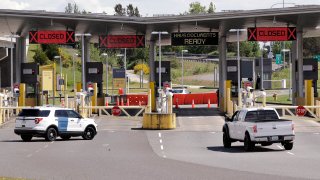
<point>51,122</point>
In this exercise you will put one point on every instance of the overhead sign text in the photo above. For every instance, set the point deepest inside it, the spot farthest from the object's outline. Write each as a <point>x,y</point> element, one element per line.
<point>51,37</point>
<point>272,34</point>
<point>194,39</point>
<point>122,41</point>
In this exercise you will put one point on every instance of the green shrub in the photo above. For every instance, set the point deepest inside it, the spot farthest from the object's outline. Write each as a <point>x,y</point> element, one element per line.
<point>40,57</point>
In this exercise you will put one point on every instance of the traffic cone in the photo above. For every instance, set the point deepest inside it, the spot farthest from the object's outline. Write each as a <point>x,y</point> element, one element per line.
<point>117,101</point>
<point>107,103</point>
<point>121,101</point>
<point>177,104</point>
<point>192,103</point>
<point>209,104</point>
<point>127,102</point>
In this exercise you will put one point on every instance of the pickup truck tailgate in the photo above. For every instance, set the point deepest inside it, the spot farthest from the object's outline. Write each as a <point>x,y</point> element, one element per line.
<point>272,128</point>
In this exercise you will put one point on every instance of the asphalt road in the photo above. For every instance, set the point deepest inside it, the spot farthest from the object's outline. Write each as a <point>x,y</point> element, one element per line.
<point>193,151</point>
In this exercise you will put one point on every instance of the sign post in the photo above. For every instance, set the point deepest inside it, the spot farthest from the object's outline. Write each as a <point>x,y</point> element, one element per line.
<point>278,59</point>
<point>301,111</point>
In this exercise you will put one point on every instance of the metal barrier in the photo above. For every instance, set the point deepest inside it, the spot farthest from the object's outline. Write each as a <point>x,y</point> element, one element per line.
<point>87,110</point>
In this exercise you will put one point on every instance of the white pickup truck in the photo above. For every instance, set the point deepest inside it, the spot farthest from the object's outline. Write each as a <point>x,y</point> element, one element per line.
<point>258,126</point>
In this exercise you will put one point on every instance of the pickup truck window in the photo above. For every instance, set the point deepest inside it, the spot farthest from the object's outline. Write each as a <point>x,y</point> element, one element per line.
<point>261,115</point>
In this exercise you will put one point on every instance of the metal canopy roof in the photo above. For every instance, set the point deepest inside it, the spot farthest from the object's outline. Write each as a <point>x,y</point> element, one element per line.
<point>20,22</point>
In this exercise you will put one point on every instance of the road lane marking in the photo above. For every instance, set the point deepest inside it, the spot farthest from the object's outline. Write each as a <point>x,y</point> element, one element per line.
<point>160,141</point>
<point>212,132</point>
<point>164,156</point>
<point>159,135</point>
<point>46,146</point>
<point>316,133</point>
<point>290,153</point>
<point>280,147</point>
<point>52,142</point>
<point>29,155</point>
<point>161,147</point>
<point>38,150</point>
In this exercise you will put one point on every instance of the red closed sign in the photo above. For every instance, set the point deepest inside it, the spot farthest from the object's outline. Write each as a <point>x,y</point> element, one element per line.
<point>122,41</point>
<point>272,34</point>
<point>116,111</point>
<point>51,37</point>
<point>301,111</point>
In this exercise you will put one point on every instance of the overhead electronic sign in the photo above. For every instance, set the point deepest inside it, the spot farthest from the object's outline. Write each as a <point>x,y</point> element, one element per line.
<point>122,41</point>
<point>194,38</point>
<point>272,34</point>
<point>51,37</point>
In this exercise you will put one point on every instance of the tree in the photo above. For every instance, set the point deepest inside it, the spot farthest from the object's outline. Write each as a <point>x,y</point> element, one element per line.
<point>50,50</point>
<point>311,46</point>
<point>196,8</point>
<point>40,57</point>
<point>136,12</point>
<point>130,10</point>
<point>72,8</point>
<point>119,11</point>
<point>211,8</point>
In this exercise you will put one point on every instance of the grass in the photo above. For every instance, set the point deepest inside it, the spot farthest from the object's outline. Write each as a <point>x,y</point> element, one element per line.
<point>281,99</point>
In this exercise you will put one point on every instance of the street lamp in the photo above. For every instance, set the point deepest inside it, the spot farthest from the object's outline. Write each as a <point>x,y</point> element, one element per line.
<point>74,77</point>
<point>60,79</point>
<point>284,51</point>
<point>261,62</point>
<point>238,60</point>
<point>106,55</point>
<point>159,33</point>
<point>182,51</point>
<point>82,58</point>
<point>11,57</point>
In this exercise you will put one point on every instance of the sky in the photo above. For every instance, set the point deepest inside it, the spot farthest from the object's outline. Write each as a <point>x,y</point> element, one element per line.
<point>148,7</point>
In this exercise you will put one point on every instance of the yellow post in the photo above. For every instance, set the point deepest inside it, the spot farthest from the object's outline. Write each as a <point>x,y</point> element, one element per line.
<point>224,101</point>
<point>95,96</point>
<point>308,92</point>
<point>79,87</point>
<point>153,96</point>
<point>22,95</point>
<point>148,107</point>
<point>170,105</point>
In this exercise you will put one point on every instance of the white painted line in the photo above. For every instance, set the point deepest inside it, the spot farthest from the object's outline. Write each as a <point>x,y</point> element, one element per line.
<point>212,132</point>
<point>280,147</point>
<point>159,135</point>
<point>52,142</point>
<point>164,156</point>
<point>316,133</point>
<point>29,155</point>
<point>46,146</point>
<point>111,131</point>
<point>161,147</point>
<point>38,150</point>
<point>160,141</point>
<point>290,153</point>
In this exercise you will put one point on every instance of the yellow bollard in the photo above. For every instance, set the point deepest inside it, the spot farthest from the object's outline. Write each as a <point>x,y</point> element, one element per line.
<point>308,92</point>
<point>153,96</point>
<point>22,95</point>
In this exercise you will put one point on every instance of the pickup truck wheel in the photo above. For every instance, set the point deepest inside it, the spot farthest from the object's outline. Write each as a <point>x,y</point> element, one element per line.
<point>26,138</point>
<point>226,140</point>
<point>248,144</point>
<point>89,133</point>
<point>51,134</point>
<point>288,146</point>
